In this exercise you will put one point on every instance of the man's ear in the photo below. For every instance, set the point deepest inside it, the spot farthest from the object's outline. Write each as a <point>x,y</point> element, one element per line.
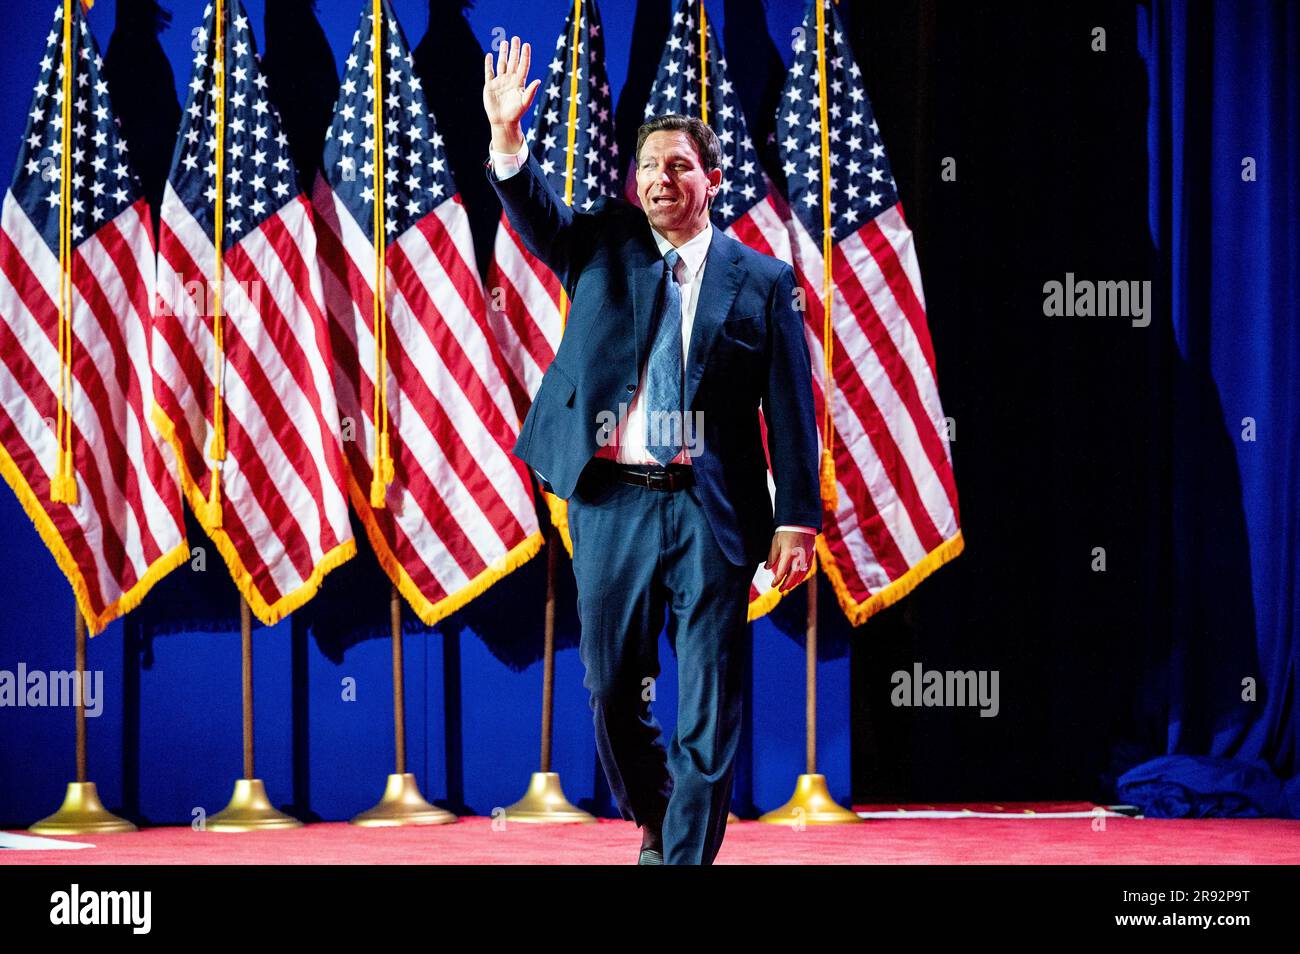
<point>715,180</point>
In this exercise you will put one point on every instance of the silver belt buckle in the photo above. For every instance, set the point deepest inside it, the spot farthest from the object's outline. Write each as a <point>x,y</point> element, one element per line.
<point>659,479</point>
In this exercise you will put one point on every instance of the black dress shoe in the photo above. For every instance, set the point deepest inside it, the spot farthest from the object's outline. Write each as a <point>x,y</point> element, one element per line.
<point>650,856</point>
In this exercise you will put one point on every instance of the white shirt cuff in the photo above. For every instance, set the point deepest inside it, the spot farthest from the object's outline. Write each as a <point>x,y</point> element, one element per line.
<point>506,164</point>
<point>800,529</point>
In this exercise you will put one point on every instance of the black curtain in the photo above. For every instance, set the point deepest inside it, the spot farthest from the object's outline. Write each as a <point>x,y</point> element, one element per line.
<point>1059,447</point>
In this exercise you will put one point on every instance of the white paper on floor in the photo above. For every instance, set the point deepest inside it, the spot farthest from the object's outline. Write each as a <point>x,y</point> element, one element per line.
<point>9,839</point>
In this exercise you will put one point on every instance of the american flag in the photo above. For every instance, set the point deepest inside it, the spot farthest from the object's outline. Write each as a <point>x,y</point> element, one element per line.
<point>746,207</point>
<point>278,514</point>
<point>458,514</point>
<point>526,307</point>
<point>123,530</point>
<point>896,518</point>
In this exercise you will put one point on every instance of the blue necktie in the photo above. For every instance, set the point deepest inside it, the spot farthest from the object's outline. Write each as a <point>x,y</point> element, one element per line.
<point>663,404</point>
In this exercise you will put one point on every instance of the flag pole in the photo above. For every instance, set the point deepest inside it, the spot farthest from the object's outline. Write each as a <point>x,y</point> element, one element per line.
<point>249,808</point>
<point>544,801</point>
<point>811,803</point>
<point>402,803</point>
<point>82,812</point>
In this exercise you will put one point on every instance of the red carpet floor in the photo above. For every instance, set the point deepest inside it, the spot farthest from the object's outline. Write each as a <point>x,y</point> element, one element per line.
<point>1069,841</point>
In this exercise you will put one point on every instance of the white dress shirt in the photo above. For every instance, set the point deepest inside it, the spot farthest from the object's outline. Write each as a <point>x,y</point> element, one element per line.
<point>627,445</point>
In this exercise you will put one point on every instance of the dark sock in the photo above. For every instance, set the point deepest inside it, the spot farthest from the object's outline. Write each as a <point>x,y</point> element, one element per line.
<point>651,837</point>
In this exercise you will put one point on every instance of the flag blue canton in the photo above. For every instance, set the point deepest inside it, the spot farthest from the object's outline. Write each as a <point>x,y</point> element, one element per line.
<point>416,177</point>
<point>677,90</point>
<point>861,184</point>
<point>595,153</point>
<point>259,175</point>
<point>102,181</point>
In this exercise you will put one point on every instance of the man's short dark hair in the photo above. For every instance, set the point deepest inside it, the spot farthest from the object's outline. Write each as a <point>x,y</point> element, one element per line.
<point>706,140</point>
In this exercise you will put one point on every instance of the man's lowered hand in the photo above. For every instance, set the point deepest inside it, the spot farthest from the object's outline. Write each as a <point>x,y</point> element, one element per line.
<point>789,558</point>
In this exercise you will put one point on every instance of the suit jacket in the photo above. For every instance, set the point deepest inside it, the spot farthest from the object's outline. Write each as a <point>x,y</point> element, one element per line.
<point>747,348</point>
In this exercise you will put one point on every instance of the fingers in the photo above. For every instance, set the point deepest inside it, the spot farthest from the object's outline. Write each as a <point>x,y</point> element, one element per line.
<point>781,573</point>
<point>513,60</point>
<point>795,574</point>
<point>530,92</point>
<point>772,552</point>
<point>512,57</point>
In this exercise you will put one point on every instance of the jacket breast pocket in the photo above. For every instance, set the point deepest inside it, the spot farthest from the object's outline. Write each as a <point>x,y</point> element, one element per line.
<point>745,332</point>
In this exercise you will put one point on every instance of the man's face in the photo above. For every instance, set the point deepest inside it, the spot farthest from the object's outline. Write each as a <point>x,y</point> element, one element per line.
<point>671,182</point>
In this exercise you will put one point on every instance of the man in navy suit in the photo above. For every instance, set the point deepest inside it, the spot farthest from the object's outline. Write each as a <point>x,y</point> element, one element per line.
<point>647,423</point>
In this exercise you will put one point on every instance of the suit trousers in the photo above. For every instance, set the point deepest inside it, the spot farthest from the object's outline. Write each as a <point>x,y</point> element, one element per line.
<point>640,554</point>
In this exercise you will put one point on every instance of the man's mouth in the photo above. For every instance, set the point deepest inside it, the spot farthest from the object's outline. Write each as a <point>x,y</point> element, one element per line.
<point>664,199</point>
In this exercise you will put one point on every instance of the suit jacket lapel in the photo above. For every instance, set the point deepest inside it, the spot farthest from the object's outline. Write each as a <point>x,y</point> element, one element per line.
<point>718,288</point>
<point>647,269</point>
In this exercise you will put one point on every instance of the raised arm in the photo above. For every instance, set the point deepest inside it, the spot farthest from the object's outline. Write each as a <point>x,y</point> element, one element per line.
<point>507,94</point>
<point>540,217</point>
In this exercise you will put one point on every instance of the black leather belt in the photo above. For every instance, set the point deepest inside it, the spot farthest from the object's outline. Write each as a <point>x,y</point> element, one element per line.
<point>672,477</point>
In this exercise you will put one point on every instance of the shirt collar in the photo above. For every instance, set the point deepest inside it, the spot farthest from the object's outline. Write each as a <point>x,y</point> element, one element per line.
<point>692,252</point>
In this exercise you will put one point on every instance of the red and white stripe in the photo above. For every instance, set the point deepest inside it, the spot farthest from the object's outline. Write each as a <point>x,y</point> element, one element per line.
<point>524,301</point>
<point>283,483</point>
<point>126,529</point>
<point>459,513</point>
<point>897,512</point>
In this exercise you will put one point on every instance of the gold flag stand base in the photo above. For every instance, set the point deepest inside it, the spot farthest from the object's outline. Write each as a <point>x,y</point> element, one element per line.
<point>544,803</point>
<point>403,804</point>
<point>250,810</point>
<point>82,813</point>
<point>811,804</point>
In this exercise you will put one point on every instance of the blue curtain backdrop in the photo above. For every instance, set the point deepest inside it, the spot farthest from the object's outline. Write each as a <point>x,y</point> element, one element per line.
<point>1224,152</point>
<point>168,741</point>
